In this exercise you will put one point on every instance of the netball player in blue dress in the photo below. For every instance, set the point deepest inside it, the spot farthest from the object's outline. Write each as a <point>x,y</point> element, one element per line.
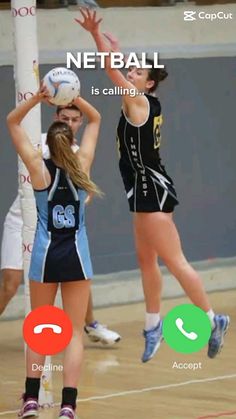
<point>151,194</point>
<point>12,262</point>
<point>60,252</point>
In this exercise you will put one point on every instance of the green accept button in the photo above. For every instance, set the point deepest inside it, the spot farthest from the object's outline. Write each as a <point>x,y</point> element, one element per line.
<point>186,328</point>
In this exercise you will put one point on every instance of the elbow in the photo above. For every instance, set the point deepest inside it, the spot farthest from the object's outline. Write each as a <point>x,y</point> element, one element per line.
<point>97,118</point>
<point>9,119</point>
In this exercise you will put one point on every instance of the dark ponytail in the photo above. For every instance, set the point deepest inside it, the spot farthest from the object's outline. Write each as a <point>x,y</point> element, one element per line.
<point>155,74</point>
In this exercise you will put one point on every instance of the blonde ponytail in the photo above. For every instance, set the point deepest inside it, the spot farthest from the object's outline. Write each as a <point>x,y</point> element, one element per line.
<point>60,140</point>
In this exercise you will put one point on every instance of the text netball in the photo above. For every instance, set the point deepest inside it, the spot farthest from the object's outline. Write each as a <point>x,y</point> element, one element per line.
<point>118,60</point>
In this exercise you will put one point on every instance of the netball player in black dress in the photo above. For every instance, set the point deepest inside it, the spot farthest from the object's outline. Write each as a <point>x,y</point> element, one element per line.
<point>151,195</point>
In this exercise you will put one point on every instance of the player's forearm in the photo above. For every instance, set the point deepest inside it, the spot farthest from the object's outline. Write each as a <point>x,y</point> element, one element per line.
<point>102,46</point>
<point>87,109</point>
<point>100,41</point>
<point>17,115</point>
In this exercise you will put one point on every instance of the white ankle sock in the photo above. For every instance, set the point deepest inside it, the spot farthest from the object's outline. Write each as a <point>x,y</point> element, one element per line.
<point>152,320</point>
<point>211,316</point>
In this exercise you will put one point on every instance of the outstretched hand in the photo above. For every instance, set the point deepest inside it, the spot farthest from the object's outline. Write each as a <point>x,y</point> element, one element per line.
<point>90,22</point>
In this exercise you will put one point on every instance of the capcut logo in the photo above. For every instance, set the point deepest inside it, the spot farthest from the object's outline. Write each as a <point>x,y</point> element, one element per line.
<point>190,15</point>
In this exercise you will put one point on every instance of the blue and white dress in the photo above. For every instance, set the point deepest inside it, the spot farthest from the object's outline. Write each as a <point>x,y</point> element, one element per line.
<point>60,251</point>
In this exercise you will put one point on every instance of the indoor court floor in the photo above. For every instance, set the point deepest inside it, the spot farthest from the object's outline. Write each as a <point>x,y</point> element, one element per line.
<point>116,385</point>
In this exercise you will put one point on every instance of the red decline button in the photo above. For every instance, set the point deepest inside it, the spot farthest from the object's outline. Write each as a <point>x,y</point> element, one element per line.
<point>47,330</point>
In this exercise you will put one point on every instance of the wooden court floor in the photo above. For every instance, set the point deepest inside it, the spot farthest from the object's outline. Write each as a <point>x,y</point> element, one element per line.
<point>116,385</point>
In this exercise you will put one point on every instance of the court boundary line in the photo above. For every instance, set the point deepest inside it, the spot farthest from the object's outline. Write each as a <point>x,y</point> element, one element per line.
<point>142,390</point>
<point>217,415</point>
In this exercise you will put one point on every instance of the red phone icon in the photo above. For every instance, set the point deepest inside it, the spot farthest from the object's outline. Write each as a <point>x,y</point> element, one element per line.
<point>47,330</point>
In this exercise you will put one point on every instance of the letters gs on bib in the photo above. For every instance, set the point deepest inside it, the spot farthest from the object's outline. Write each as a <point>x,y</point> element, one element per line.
<point>63,217</point>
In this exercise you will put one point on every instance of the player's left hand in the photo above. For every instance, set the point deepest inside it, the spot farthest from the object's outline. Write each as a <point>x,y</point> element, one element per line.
<point>90,22</point>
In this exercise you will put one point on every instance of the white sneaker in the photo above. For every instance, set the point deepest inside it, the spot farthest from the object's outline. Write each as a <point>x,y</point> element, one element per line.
<point>67,412</point>
<point>100,333</point>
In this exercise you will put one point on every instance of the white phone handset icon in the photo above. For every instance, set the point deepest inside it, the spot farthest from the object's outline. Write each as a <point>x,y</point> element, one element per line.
<point>39,328</point>
<point>191,335</point>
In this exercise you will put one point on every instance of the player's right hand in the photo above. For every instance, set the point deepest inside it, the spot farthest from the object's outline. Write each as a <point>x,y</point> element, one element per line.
<point>43,94</point>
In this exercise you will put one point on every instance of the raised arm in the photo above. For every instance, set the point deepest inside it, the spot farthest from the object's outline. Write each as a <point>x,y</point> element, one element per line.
<point>19,137</point>
<point>88,143</point>
<point>91,24</point>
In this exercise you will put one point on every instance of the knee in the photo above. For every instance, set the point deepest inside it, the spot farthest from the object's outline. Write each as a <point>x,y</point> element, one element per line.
<point>146,261</point>
<point>11,281</point>
<point>175,264</point>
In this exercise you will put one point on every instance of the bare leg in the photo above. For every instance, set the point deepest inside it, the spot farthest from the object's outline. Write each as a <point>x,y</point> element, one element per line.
<point>40,295</point>
<point>159,230</point>
<point>75,296</point>
<point>89,314</point>
<point>96,331</point>
<point>151,275</point>
<point>11,279</point>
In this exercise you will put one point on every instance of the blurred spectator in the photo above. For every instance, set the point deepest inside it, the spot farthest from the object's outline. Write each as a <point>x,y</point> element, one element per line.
<point>65,3</point>
<point>81,3</point>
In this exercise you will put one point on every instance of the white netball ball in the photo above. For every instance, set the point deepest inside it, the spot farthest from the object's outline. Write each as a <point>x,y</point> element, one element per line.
<point>63,85</point>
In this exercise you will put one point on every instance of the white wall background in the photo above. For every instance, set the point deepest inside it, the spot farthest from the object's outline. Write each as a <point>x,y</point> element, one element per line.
<point>161,29</point>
